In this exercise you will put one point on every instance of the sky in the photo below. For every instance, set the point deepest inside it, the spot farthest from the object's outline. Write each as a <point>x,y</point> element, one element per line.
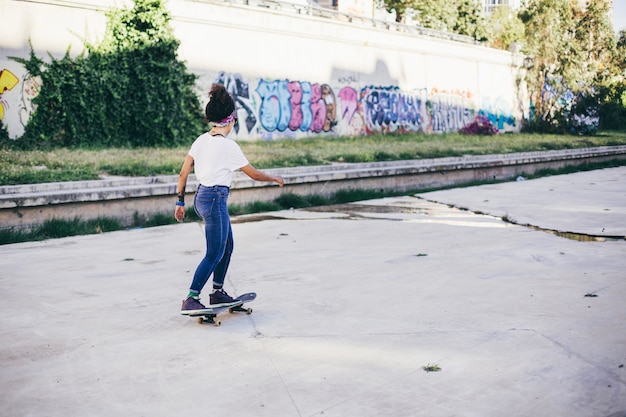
<point>619,15</point>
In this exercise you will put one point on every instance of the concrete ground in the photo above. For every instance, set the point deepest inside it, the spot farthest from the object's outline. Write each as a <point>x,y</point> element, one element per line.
<point>352,305</point>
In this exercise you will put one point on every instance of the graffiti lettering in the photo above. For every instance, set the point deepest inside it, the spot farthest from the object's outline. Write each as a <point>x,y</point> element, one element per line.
<point>387,109</point>
<point>328,97</point>
<point>348,79</point>
<point>497,112</point>
<point>240,90</point>
<point>450,112</point>
<point>349,103</point>
<point>296,105</point>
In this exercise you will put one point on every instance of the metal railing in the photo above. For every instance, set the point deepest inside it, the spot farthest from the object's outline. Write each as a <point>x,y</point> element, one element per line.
<point>309,9</point>
<point>313,10</point>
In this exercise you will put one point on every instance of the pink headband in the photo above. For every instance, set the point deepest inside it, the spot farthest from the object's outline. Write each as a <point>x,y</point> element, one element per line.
<point>226,121</point>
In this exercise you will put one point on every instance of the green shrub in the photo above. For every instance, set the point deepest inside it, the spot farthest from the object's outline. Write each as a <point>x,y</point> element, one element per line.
<point>291,200</point>
<point>4,134</point>
<point>129,91</point>
<point>613,107</point>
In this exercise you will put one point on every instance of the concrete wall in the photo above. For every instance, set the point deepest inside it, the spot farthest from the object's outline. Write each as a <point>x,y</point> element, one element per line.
<point>294,73</point>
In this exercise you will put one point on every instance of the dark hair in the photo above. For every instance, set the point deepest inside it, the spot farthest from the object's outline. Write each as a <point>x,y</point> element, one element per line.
<point>220,105</point>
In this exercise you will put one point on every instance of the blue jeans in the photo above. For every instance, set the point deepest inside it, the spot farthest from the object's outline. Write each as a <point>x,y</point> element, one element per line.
<point>211,205</point>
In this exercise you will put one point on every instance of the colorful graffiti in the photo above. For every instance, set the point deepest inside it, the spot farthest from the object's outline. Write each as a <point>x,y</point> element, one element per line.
<point>314,108</point>
<point>387,109</point>
<point>18,89</point>
<point>296,105</point>
<point>497,111</point>
<point>240,90</point>
<point>449,111</point>
<point>283,108</point>
<point>30,89</point>
<point>8,81</point>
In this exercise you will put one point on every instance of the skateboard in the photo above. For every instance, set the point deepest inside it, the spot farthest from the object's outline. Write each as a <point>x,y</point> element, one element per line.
<point>209,315</point>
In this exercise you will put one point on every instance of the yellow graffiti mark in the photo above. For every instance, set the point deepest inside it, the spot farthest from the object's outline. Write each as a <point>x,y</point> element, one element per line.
<point>7,82</point>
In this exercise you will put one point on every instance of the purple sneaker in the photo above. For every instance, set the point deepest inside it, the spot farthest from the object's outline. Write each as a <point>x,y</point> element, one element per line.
<point>220,299</point>
<point>192,306</point>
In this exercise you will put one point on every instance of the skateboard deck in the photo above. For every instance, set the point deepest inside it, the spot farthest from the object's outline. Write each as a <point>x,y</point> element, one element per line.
<point>209,315</point>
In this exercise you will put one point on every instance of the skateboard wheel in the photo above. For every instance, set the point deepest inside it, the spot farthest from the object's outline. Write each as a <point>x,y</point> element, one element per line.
<point>218,323</point>
<point>200,320</point>
<point>249,311</point>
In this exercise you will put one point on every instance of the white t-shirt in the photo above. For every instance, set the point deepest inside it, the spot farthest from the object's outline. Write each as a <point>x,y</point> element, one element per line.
<point>215,159</point>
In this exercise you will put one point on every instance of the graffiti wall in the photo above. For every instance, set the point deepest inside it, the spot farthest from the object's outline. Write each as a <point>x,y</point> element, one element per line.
<point>291,79</point>
<point>285,108</point>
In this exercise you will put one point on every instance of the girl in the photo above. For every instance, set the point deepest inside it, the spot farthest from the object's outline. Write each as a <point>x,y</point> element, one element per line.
<point>214,158</point>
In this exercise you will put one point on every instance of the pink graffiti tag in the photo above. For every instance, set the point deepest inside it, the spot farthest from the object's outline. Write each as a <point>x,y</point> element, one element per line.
<point>318,107</point>
<point>349,103</point>
<point>295,90</point>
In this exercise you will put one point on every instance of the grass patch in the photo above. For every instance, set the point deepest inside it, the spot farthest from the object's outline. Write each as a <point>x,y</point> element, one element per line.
<point>570,169</point>
<point>27,167</point>
<point>256,207</point>
<point>57,228</point>
<point>432,367</point>
<point>294,201</point>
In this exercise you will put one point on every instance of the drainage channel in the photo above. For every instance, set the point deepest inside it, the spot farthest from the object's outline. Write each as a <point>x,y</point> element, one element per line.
<point>353,210</point>
<point>580,237</point>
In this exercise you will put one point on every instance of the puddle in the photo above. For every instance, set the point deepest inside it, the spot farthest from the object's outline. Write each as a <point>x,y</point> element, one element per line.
<point>368,208</point>
<point>352,209</point>
<point>579,237</point>
<point>252,218</point>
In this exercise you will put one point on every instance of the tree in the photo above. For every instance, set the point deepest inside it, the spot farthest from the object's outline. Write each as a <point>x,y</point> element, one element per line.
<point>145,25</point>
<point>436,14</point>
<point>612,90</point>
<point>621,42</point>
<point>550,44</point>
<point>504,28</point>
<point>574,56</point>
<point>598,74</point>
<point>400,7</point>
<point>597,43</point>
<point>469,20</point>
<point>459,16</point>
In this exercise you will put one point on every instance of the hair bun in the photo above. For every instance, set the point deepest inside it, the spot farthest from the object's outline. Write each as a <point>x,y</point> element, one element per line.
<point>220,105</point>
<point>218,92</point>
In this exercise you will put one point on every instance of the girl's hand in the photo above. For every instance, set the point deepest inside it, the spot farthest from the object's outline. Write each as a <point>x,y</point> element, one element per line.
<point>179,213</point>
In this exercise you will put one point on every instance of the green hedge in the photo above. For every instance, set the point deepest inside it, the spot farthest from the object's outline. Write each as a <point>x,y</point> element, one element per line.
<point>129,91</point>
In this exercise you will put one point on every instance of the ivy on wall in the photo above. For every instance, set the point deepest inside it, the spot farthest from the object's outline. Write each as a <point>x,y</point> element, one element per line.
<point>4,134</point>
<point>128,91</point>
